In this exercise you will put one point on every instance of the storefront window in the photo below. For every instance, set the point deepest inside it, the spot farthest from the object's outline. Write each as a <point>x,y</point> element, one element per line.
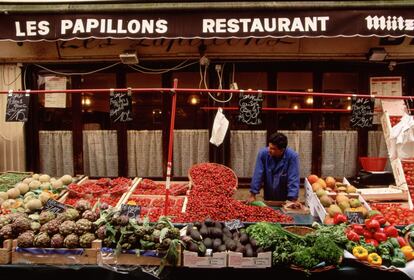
<point>338,83</point>
<point>147,108</point>
<point>294,81</point>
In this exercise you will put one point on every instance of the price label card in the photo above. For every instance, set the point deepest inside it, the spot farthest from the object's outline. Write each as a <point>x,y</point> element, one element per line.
<point>233,224</point>
<point>250,107</point>
<point>132,211</point>
<point>362,112</point>
<point>54,206</point>
<point>355,217</point>
<point>120,105</point>
<point>17,109</point>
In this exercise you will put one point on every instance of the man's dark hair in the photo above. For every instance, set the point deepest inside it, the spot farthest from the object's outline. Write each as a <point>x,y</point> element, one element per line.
<point>278,139</point>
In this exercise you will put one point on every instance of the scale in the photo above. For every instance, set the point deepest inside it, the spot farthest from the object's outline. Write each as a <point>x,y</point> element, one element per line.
<point>369,179</point>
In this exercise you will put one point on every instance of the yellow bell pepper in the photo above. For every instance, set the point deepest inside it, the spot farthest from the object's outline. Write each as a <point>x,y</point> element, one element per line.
<point>374,259</point>
<point>408,252</point>
<point>360,253</point>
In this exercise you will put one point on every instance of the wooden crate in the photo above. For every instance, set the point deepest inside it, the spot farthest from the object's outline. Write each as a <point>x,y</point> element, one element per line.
<point>216,260</point>
<point>49,255</point>
<point>109,258</point>
<point>5,252</point>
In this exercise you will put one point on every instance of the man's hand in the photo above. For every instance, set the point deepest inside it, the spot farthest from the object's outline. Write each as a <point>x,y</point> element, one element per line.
<point>251,198</point>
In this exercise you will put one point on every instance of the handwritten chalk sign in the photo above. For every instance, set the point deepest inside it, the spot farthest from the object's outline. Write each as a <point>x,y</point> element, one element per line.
<point>362,112</point>
<point>250,107</point>
<point>17,109</point>
<point>120,105</point>
<point>233,224</point>
<point>355,217</point>
<point>132,211</point>
<point>54,206</point>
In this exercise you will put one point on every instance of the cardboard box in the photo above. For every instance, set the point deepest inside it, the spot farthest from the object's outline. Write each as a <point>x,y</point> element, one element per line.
<point>56,256</point>
<point>309,197</point>
<point>399,175</point>
<point>216,260</point>
<point>263,260</point>
<point>5,251</point>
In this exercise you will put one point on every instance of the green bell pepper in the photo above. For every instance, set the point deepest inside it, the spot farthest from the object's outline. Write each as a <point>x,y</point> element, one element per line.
<point>394,242</point>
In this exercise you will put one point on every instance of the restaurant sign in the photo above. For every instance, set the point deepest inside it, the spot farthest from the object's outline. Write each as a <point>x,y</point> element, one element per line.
<point>259,24</point>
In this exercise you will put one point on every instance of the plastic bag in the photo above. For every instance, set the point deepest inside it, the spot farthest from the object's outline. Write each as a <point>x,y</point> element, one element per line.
<point>220,127</point>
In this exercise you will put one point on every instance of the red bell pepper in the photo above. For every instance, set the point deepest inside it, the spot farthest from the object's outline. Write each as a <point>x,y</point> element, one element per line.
<point>380,218</point>
<point>353,236</point>
<point>372,241</point>
<point>367,234</point>
<point>401,241</point>
<point>340,218</point>
<point>380,237</point>
<point>391,231</point>
<point>358,229</point>
<point>372,224</point>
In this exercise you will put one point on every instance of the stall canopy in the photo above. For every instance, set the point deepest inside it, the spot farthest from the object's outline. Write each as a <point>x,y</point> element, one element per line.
<point>209,24</point>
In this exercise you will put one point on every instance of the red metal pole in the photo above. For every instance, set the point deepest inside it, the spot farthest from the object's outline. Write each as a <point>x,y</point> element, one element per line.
<point>170,146</point>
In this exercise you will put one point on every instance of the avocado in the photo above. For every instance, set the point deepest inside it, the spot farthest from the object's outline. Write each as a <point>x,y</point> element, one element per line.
<point>231,245</point>
<point>209,222</point>
<point>204,231</point>
<point>253,242</point>
<point>226,232</point>
<point>260,250</point>
<point>248,246</point>
<point>217,232</point>
<point>218,225</point>
<point>222,248</point>
<point>208,242</point>
<point>249,252</point>
<point>216,244</point>
<point>244,238</point>
<point>236,235</point>
<point>192,247</point>
<point>197,225</point>
<point>241,249</point>
<point>189,228</point>
<point>195,235</point>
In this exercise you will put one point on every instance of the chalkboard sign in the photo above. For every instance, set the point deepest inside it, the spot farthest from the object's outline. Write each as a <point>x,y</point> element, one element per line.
<point>54,206</point>
<point>355,217</point>
<point>17,109</point>
<point>250,107</point>
<point>233,224</point>
<point>120,105</point>
<point>132,211</point>
<point>362,112</point>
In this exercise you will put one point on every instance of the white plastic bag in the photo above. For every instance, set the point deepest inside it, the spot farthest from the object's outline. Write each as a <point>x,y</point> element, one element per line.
<point>220,127</point>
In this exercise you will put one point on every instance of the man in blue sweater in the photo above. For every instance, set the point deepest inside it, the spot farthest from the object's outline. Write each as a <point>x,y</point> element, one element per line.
<point>277,167</point>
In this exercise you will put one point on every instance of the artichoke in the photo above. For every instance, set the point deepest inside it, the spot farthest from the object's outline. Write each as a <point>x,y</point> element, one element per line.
<point>121,220</point>
<point>71,214</point>
<point>57,241</point>
<point>46,216</point>
<point>85,241</point>
<point>4,220</point>
<point>101,232</point>
<point>35,226</point>
<point>67,227</point>
<point>53,226</point>
<point>90,215</point>
<point>82,205</point>
<point>14,216</point>
<point>83,226</point>
<point>6,232</point>
<point>20,225</point>
<point>42,240</point>
<point>71,241</point>
<point>26,239</point>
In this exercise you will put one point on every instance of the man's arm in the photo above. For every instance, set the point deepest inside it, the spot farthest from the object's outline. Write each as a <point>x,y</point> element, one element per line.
<point>293,178</point>
<point>257,178</point>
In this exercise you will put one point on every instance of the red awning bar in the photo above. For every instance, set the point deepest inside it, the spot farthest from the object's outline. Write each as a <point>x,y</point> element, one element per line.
<point>197,90</point>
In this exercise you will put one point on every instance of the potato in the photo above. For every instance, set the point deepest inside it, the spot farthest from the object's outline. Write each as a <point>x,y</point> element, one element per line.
<point>23,187</point>
<point>44,178</point>
<point>13,193</point>
<point>33,204</point>
<point>34,185</point>
<point>66,179</point>
<point>4,195</point>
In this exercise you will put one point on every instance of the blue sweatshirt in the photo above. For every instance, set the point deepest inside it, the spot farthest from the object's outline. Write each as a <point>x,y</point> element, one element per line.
<point>279,175</point>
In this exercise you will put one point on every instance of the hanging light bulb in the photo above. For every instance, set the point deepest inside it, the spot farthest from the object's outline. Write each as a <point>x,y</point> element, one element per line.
<point>309,100</point>
<point>193,99</point>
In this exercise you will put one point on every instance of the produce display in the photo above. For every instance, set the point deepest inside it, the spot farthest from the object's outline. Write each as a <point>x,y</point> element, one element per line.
<point>150,187</point>
<point>106,190</point>
<point>9,179</point>
<point>395,213</point>
<point>335,199</point>
<point>32,192</point>
<point>213,186</point>
<point>377,243</point>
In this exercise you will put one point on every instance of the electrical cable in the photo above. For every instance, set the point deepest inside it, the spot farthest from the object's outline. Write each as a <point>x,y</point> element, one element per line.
<point>73,74</point>
<point>177,67</point>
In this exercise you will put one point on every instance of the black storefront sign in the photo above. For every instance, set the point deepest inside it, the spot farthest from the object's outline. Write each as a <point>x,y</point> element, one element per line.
<point>218,24</point>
